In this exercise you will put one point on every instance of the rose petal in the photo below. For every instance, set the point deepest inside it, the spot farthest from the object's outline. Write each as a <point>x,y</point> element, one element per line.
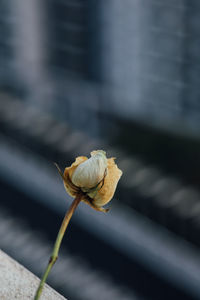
<point>105,194</point>
<point>69,186</point>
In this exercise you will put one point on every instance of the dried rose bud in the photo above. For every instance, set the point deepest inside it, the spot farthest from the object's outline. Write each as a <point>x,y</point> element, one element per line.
<point>96,178</point>
<point>91,172</point>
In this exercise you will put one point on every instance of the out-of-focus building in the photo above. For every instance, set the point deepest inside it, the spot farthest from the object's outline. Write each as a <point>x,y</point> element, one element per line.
<point>119,75</point>
<point>135,59</point>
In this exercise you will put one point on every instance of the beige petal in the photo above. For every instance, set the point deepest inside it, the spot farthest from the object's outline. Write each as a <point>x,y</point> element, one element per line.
<point>69,186</point>
<point>105,194</point>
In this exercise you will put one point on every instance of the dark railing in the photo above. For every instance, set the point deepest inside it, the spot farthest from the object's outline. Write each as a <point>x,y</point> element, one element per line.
<point>32,140</point>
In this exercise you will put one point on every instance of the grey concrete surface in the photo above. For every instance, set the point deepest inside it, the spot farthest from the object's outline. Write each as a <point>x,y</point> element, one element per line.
<point>17,283</point>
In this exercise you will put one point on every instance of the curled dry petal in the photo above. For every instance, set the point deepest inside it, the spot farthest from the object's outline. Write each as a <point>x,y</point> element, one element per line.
<point>105,194</point>
<point>71,189</point>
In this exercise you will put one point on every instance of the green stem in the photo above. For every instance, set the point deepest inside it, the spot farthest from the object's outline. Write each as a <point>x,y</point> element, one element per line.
<point>57,244</point>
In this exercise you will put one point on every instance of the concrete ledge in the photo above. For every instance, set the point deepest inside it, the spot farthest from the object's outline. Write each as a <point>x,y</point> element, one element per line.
<point>17,283</point>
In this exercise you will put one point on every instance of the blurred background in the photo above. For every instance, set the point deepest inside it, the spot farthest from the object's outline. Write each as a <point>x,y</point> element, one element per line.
<point>124,76</point>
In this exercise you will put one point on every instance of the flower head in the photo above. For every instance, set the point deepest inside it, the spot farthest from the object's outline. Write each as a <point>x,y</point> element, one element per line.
<point>96,178</point>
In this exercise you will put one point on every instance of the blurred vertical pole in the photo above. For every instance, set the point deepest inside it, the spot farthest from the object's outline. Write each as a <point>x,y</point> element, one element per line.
<point>95,40</point>
<point>191,67</point>
<point>30,35</point>
<point>185,106</point>
<point>121,63</point>
<point>95,60</point>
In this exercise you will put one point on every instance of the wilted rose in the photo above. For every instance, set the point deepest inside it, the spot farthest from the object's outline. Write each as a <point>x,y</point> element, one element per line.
<point>96,178</point>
